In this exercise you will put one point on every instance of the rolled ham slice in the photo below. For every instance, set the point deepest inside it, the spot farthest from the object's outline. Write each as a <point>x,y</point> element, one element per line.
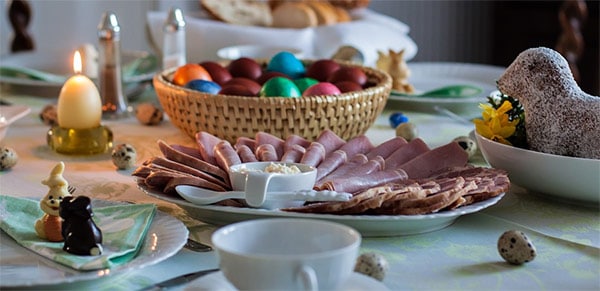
<point>242,140</point>
<point>330,141</point>
<point>206,143</point>
<point>225,155</point>
<point>361,183</point>
<point>194,152</point>
<point>293,154</point>
<point>246,154</point>
<point>184,169</point>
<point>343,170</point>
<point>191,161</point>
<point>385,149</point>
<point>425,165</point>
<point>315,153</point>
<point>331,163</point>
<point>266,153</point>
<point>357,145</point>
<point>262,138</point>
<point>295,140</point>
<point>406,153</point>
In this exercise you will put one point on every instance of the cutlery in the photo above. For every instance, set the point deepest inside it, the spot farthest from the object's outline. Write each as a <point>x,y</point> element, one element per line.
<point>452,91</point>
<point>179,280</point>
<point>202,196</point>
<point>197,246</point>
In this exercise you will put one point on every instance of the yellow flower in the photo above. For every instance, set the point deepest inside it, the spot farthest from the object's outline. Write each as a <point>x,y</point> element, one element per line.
<point>495,124</point>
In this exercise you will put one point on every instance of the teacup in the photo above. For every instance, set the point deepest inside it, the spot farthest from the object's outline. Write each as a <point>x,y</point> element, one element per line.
<point>287,254</point>
<point>254,179</point>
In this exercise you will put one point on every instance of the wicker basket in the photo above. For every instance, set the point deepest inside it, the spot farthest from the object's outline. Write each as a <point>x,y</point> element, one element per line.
<point>229,117</point>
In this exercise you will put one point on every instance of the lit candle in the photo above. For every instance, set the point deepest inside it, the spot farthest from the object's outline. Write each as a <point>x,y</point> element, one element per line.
<point>79,102</point>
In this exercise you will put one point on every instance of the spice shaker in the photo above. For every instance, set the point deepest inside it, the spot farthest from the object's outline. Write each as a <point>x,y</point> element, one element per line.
<point>114,104</point>
<point>174,54</point>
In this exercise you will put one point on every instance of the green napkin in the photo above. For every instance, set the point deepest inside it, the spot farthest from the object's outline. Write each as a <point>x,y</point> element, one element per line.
<point>123,229</point>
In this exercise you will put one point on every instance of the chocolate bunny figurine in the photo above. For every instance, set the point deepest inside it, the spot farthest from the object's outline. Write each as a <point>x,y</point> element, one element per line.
<point>82,236</point>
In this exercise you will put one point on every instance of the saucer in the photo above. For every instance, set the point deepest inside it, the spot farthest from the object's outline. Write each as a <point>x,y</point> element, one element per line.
<point>217,281</point>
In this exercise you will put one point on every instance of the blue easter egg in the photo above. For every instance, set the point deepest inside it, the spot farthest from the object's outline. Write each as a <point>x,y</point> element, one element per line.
<point>286,63</point>
<point>397,118</point>
<point>203,86</point>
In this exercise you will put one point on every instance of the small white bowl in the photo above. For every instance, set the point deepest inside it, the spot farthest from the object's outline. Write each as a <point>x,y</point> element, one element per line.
<point>252,178</point>
<point>568,178</point>
<point>255,52</point>
<point>10,114</point>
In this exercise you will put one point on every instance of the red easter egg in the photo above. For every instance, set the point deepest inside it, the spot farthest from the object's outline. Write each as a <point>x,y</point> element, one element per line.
<point>268,75</point>
<point>323,88</point>
<point>348,86</point>
<point>352,74</point>
<point>322,69</point>
<point>245,68</point>
<point>238,90</point>
<point>217,72</point>
<point>253,86</point>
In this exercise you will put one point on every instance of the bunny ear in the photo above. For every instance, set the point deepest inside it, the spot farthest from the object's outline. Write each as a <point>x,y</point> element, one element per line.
<point>56,178</point>
<point>58,169</point>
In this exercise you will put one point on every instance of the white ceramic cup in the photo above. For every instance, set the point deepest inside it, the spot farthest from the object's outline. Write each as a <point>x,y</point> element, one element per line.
<point>287,254</point>
<point>252,178</point>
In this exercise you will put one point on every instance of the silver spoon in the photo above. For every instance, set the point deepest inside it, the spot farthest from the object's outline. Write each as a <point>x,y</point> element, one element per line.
<point>202,196</point>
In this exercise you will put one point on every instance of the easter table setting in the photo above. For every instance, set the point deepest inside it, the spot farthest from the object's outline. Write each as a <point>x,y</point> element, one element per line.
<point>90,139</point>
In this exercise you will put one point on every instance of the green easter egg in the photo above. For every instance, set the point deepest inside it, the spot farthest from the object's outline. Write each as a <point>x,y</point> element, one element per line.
<point>304,83</point>
<point>280,87</point>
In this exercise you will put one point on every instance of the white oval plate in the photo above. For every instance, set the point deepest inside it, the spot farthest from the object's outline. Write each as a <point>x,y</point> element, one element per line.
<point>29,269</point>
<point>367,225</point>
<point>568,178</point>
<point>429,76</point>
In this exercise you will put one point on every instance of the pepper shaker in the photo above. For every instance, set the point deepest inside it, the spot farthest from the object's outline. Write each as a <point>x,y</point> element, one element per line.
<point>114,104</point>
<point>174,54</point>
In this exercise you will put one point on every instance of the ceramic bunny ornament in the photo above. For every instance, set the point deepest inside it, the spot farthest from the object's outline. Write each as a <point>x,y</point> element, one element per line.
<point>49,226</point>
<point>394,64</point>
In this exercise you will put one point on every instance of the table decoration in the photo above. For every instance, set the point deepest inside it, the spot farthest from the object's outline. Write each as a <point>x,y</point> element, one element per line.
<point>79,113</point>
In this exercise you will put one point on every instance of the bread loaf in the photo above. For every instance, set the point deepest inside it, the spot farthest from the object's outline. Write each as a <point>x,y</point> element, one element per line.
<point>294,15</point>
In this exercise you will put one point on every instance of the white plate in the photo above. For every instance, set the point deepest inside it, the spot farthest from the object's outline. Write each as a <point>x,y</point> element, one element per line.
<point>429,76</point>
<point>217,281</point>
<point>10,114</point>
<point>567,178</point>
<point>367,225</point>
<point>20,267</point>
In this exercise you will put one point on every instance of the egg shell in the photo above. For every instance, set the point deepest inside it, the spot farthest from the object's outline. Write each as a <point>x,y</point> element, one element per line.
<point>407,130</point>
<point>469,145</point>
<point>286,63</point>
<point>253,86</point>
<point>245,68</point>
<point>304,83</point>
<point>516,248</point>
<point>204,86</point>
<point>149,114</point>
<point>280,87</point>
<point>323,88</point>
<point>189,72</point>
<point>8,158</point>
<point>352,74</point>
<point>347,86</point>
<point>48,115</point>
<point>218,73</point>
<point>322,69</point>
<point>373,265</point>
<point>237,90</point>
<point>266,76</point>
<point>124,156</point>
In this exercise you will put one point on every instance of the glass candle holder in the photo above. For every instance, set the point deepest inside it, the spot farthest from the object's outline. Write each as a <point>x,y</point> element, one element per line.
<point>88,141</point>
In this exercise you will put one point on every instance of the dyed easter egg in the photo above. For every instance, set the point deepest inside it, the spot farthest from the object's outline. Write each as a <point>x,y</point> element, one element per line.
<point>304,83</point>
<point>237,90</point>
<point>397,118</point>
<point>189,72</point>
<point>323,88</point>
<point>286,63</point>
<point>280,87</point>
<point>347,86</point>
<point>322,69</point>
<point>253,86</point>
<point>352,74</point>
<point>204,86</point>
<point>245,68</point>
<point>266,76</point>
<point>218,73</point>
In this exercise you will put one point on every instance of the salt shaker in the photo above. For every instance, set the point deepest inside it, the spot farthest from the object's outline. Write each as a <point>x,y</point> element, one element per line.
<point>114,104</point>
<point>174,54</point>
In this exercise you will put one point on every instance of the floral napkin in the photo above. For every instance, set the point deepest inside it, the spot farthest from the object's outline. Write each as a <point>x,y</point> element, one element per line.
<point>123,229</point>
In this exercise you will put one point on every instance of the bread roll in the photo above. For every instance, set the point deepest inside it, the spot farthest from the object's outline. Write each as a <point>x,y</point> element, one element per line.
<point>294,15</point>
<point>241,12</point>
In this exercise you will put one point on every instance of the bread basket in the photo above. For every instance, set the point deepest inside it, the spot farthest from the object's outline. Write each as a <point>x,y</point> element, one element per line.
<point>230,117</point>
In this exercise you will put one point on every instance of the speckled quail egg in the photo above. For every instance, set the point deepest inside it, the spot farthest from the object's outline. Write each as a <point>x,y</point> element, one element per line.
<point>48,115</point>
<point>149,114</point>
<point>469,145</point>
<point>407,130</point>
<point>516,248</point>
<point>8,158</point>
<point>373,265</point>
<point>124,156</point>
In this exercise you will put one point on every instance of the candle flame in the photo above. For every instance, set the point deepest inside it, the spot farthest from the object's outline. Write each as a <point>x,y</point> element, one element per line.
<point>77,62</point>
